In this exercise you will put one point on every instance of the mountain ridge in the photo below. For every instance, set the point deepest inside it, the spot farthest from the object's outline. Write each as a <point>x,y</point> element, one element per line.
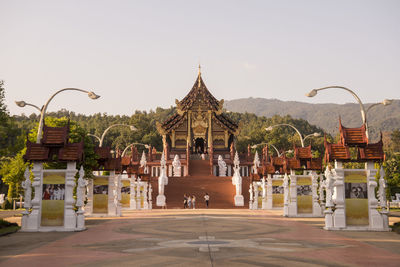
<point>324,115</point>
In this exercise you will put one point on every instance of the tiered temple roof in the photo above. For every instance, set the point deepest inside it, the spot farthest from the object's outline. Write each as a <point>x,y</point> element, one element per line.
<point>54,146</point>
<point>356,138</point>
<point>199,91</point>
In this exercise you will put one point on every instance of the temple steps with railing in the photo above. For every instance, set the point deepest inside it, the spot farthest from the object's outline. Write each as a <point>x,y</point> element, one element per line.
<point>220,189</point>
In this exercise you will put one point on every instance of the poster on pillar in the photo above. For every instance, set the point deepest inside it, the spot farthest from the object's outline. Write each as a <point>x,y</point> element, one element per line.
<point>100,195</point>
<point>125,194</point>
<point>53,195</point>
<point>277,193</point>
<point>356,198</point>
<point>304,195</point>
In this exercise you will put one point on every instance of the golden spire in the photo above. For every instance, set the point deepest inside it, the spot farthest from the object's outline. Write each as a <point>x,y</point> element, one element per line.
<point>199,77</point>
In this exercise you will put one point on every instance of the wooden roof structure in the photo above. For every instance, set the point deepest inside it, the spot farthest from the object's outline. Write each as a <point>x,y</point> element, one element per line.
<point>353,138</point>
<point>198,91</point>
<point>54,146</point>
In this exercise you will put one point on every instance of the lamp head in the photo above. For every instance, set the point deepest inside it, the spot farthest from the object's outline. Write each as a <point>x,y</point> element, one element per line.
<point>93,96</point>
<point>387,102</point>
<point>312,93</point>
<point>316,134</point>
<point>147,146</point>
<point>133,128</point>
<point>254,146</point>
<point>20,103</point>
<point>269,128</point>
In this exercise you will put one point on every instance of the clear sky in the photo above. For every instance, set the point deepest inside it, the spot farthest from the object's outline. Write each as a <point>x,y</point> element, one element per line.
<point>142,54</point>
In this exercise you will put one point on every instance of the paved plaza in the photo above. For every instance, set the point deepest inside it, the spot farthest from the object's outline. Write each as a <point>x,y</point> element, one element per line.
<point>202,238</point>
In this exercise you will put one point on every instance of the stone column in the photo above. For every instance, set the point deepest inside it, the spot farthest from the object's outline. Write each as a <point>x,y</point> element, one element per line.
<point>69,211</point>
<point>145,203</point>
<point>375,218</point>
<point>264,193</point>
<point>292,207</point>
<point>138,195</point>
<point>89,195</point>
<point>133,193</point>
<point>33,222</point>
<point>26,185</point>
<point>150,197</point>
<point>286,195</point>
<point>80,198</point>
<point>251,196</point>
<point>339,216</point>
<point>317,212</point>
<point>255,202</point>
<point>269,192</point>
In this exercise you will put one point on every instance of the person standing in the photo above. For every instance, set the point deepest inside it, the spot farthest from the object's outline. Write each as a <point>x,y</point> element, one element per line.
<point>184,201</point>
<point>189,201</point>
<point>207,199</point>
<point>194,202</point>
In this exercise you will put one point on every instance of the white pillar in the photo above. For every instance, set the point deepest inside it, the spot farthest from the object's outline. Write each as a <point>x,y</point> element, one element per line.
<point>269,192</point>
<point>317,211</point>
<point>292,207</point>
<point>339,215</point>
<point>69,208</point>
<point>133,193</point>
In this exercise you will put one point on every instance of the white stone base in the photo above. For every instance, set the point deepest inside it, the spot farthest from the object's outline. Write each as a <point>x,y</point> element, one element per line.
<point>239,201</point>
<point>160,200</point>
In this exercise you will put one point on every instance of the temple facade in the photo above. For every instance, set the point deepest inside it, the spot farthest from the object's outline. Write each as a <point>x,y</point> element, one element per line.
<point>198,126</point>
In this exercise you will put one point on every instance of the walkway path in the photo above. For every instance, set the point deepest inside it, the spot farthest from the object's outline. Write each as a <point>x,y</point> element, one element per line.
<point>201,238</point>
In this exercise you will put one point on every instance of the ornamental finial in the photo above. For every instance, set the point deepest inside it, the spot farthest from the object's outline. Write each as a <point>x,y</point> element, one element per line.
<point>199,77</point>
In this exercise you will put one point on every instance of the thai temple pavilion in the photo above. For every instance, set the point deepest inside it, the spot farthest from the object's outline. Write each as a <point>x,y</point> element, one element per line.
<point>198,125</point>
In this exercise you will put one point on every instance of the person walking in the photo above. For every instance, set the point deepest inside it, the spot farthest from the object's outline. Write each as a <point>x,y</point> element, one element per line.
<point>184,201</point>
<point>189,201</point>
<point>207,199</point>
<point>194,202</point>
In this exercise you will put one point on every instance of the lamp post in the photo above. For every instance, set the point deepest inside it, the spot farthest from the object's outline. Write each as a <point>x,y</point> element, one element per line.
<point>101,139</point>
<point>385,102</point>
<point>126,148</point>
<point>298,132</point>
<point>274,147</point>
<point>42,110</point>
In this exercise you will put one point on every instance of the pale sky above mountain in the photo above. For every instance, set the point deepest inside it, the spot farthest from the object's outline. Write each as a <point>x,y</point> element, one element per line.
<point>142,54</point>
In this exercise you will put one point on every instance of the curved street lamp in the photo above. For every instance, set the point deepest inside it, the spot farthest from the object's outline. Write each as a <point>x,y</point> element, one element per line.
<point>298,132</point>
<point>385,102</point>
<point>101,139</point>
<point>126,148</point>
<point>42,110</point>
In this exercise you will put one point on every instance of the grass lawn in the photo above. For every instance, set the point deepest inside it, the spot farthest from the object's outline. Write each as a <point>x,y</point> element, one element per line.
<point>7,227</point>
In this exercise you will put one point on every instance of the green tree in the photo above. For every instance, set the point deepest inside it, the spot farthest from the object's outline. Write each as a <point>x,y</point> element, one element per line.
<point>12,172</point>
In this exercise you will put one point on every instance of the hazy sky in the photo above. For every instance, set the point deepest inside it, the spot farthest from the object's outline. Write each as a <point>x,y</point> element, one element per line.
<point>142,54</point>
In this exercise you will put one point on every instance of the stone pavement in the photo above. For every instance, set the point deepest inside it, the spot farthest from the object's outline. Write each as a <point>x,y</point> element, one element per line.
<point>202,238</point>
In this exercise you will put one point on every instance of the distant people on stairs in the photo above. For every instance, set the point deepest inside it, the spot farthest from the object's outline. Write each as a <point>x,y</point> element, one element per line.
<point>184,201</point>
<point>193,202</point>
<point>207,199</point>
<point>189,201</point>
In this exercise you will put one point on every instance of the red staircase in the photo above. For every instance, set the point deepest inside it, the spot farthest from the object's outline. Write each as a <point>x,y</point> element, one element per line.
<point>220,189</point>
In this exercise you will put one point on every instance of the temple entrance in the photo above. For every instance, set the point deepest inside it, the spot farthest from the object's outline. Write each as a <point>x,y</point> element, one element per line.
<point>199,145</point>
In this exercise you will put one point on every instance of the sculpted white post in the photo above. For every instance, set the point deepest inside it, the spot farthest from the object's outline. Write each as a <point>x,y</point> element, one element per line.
<point>80,196</point>
<point>143,163</point>
<point>285,195</point>
<point>133,193</point>
<point>256,163</point>
<point>237,181</point>
<point>264,194</point>
<point>316,206</point>
<point>26,185</point>
<point>221,166</point>
<point>177,166</point>
<point>251,197</point>
<point>382,189</point>
<point>255,201</point>
<point>145,201</point>
<point>329,203</point>
<point>150,197</point>
<point>162,181</point>
<point>138,195</point>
